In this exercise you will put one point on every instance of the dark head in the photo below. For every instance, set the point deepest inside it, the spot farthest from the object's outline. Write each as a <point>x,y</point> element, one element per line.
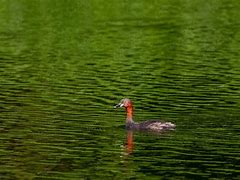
<point>124,103</point>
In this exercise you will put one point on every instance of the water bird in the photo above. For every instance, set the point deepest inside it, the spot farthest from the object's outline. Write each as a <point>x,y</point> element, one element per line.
<point>150,125</point>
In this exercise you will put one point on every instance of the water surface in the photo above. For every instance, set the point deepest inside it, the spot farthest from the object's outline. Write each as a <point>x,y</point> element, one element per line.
<point>64,65</point>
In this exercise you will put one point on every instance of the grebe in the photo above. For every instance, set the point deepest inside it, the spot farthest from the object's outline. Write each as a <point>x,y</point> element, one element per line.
<point>152,125</point>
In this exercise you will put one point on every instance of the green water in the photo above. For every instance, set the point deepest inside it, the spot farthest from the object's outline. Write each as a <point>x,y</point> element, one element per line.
<point>64,64</point>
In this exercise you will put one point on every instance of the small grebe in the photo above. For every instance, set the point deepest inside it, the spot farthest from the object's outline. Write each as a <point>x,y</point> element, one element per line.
<point>152,125</point>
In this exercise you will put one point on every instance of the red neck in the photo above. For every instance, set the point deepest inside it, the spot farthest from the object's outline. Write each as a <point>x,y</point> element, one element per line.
<point>129,111</point>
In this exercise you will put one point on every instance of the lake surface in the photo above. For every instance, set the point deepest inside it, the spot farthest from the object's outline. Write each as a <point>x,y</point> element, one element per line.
<point>64,64</point>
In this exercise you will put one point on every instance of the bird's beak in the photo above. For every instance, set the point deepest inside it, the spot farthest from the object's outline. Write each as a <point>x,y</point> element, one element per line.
<point>118,105</point>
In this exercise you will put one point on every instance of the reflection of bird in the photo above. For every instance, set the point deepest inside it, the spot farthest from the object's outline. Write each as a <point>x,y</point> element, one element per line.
<point>152,125</point>
<point>129,144</point>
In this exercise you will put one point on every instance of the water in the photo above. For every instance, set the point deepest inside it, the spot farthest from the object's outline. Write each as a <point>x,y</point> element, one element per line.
<point>64,65</point>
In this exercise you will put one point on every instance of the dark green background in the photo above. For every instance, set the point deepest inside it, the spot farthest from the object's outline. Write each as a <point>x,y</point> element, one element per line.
<point>65,63</point>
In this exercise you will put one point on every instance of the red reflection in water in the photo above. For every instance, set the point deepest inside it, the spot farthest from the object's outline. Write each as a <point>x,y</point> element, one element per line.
<point>129,146</point>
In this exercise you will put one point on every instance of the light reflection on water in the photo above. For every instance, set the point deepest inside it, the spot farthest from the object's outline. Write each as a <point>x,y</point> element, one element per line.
<point>61,73</point>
